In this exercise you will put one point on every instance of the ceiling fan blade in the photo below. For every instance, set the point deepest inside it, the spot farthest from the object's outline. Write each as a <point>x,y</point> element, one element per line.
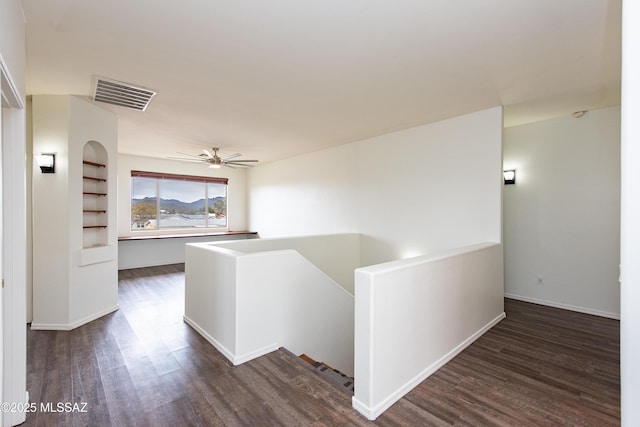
<point>186,154</point>
<point>239,164</point>
<point>187,160</point>
<point>233,156</point>
<point>214,159</point>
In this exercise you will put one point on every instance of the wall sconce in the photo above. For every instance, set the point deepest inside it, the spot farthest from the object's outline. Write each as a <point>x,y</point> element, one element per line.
<point>509,176</point>
<point>47,162</point>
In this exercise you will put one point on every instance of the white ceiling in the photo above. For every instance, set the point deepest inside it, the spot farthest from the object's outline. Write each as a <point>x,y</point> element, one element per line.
<point>273,79</point>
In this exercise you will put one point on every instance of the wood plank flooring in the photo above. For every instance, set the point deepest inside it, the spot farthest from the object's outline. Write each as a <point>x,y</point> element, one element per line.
<point>143,366</point>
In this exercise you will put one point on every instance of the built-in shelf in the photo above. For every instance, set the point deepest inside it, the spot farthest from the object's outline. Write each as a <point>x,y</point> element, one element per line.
<point>91,178</point>
<point>94,192</point>
<point>100,165</point>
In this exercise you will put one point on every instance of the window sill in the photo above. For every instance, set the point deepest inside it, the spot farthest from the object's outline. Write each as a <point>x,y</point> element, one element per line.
<point>178,236</point>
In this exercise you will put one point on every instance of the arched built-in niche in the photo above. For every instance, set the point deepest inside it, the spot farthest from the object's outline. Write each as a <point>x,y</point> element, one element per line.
<point>95,212</point>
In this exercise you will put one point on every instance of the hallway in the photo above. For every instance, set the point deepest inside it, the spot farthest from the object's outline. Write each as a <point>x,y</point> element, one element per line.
<point>142,365</point>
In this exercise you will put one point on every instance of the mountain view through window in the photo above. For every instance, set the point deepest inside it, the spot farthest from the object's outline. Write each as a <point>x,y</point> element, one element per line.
<point>163,201</point>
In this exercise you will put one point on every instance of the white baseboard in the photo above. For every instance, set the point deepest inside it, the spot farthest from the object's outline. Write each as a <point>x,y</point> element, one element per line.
<point>374,412</point>
<point>564,306</point>
<point>94,316</point>
<point>256,353</point>
<point>49,326</point>
<point>77,323</point>
<point>236,360</point>
<point>214,342</point>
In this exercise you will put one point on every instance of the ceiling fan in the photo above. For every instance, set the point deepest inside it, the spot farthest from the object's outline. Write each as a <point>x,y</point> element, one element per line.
<point>215,161</point>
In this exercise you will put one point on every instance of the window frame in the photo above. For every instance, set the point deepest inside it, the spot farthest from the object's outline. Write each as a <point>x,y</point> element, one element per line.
<point>159,176</point>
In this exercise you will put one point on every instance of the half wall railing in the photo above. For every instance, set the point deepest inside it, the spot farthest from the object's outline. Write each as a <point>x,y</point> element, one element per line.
<point>407,319</point>
<point>414,315</point>
<point>250,299</point>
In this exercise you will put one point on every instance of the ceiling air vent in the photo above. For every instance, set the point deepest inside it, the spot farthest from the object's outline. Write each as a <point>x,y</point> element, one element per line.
<point>122,94</point>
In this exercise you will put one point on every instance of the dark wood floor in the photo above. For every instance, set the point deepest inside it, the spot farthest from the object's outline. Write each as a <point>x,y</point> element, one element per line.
<point>143,366</point>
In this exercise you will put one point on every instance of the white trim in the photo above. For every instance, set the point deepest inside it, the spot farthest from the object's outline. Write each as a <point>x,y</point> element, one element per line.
<point>93,316</point>
<point>12,96</point>
<point>221,348</point>
<point>50,327</point>
<point>236,360</point>
<point>374,412</point>
<point>564,306</point>
<point>14,250</point>
<point>76,324</point>
<point>255,354</point>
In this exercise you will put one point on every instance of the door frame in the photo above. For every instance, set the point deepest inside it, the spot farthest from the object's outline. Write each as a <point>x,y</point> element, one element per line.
<point>13,251</point>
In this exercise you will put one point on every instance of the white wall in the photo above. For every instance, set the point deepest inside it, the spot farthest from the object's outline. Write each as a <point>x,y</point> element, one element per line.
<point>410,192</point>
<point>630,223</point>
<point>29,211</point>
<point>51,213</point>
<point>93,282</point>
<point>71,284</point>
<point>152,252</point>
<point>561,218</point>
<point>338,263</point>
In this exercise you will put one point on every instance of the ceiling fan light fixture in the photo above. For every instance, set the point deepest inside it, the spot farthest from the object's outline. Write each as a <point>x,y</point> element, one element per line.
<point>216,162</point>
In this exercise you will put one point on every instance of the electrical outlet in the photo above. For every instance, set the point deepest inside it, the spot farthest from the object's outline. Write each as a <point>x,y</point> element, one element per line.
<point>539,281</point>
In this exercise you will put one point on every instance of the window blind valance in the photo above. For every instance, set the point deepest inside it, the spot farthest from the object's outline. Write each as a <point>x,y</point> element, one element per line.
<point>193,178</point>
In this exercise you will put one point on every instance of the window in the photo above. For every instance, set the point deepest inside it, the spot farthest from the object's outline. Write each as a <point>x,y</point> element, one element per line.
<point>170,202</point>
